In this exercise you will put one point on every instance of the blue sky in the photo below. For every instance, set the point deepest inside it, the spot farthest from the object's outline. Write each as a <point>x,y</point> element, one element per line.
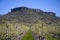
<point>45,5</point>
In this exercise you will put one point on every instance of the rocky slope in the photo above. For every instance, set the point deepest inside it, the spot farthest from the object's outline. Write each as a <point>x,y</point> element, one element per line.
<point>25,14</point>
<point>22,19</point>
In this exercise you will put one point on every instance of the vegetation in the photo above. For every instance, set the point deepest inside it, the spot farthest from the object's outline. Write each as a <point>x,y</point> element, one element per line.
<point>49,37</point>
<point>22,20</point>
<point>28,36</point>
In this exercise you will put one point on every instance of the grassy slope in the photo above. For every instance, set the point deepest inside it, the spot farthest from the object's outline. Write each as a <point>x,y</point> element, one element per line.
<point>28,36</point>
<point>21,27</point>
<point>46,29</point>
<point>49,37</point>
<point>10,30</point>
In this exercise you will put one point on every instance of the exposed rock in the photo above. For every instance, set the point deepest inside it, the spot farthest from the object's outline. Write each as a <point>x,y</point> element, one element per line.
<point>25,14</point>
<point>51,13</point>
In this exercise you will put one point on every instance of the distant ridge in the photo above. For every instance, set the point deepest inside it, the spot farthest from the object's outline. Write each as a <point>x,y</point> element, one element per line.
<point>28,15</point>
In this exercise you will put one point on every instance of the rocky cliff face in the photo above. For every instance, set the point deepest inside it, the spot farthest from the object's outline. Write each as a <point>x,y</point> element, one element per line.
<point>29,15</point>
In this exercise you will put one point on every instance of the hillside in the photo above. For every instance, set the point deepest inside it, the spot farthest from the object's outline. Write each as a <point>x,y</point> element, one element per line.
<point>22,19</point>
<point>25,14</point>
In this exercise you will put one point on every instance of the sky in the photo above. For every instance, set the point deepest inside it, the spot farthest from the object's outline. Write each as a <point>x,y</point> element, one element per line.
<point>45,5</point>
